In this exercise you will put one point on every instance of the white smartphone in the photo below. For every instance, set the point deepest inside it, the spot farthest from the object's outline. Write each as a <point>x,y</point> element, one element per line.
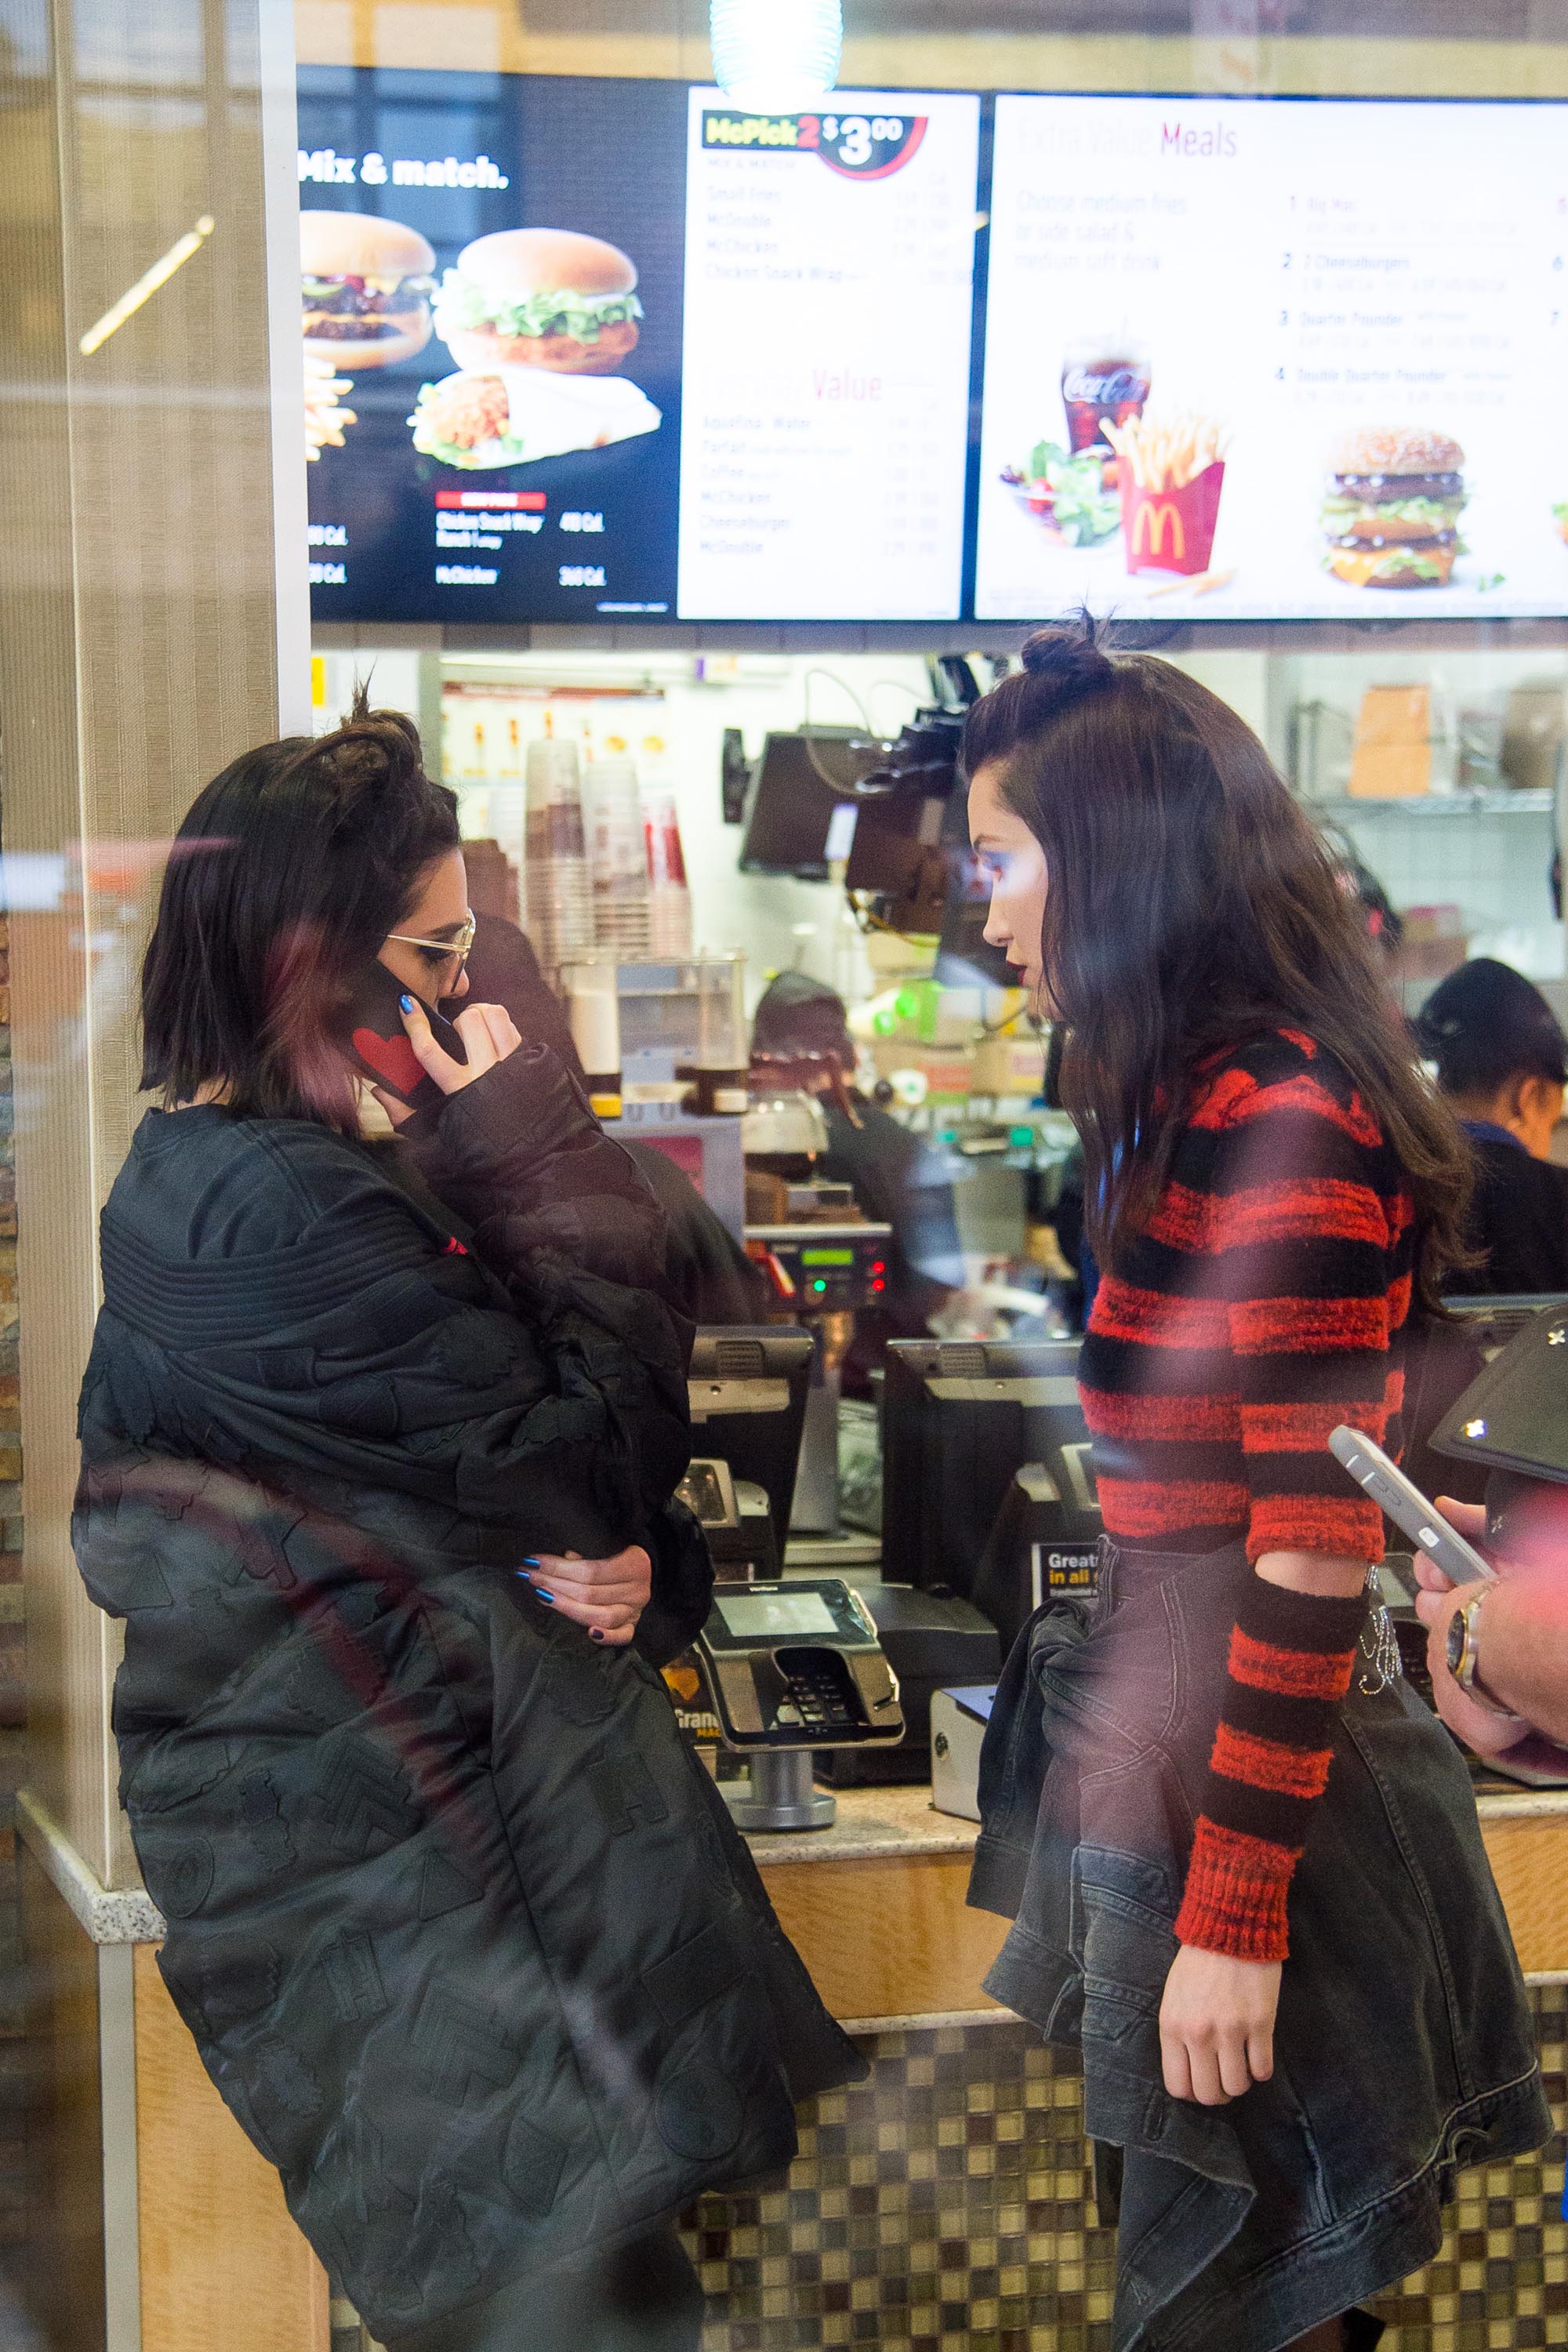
<point>1408,1507</point>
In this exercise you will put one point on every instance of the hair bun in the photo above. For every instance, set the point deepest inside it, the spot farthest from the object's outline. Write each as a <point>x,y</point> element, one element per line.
<point>1062,667</point>
<point>374,759</point>
<point>1073,658</point>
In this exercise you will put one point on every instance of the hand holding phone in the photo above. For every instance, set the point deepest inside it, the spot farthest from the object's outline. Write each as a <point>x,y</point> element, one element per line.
<point>381,1047</point>
<point>1408,1507</point>
<point>410,1053</point>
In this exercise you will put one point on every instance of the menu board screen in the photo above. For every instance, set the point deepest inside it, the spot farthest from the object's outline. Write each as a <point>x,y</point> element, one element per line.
<point>1289,359</point>
<point>492,311</point>
<point>586,350</point>
<point>829,277</point>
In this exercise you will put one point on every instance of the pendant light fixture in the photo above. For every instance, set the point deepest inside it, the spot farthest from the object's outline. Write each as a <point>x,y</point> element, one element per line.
<point>775,57</point>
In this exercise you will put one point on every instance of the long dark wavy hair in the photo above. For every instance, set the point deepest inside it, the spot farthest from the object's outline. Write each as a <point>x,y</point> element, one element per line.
<point>290,870</point>
<point>1190,907</point>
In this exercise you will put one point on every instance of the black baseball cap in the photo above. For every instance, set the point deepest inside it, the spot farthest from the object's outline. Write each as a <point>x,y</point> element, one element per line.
<point>800,1015</point>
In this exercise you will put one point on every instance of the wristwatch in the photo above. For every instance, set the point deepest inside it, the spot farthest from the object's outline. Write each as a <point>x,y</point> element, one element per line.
<point>1461,1658</point>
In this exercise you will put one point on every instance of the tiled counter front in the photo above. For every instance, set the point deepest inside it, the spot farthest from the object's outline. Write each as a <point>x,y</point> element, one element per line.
<point>947,2202</point>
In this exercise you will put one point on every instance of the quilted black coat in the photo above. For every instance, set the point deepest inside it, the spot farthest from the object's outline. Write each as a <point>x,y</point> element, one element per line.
<point>463,1931</point>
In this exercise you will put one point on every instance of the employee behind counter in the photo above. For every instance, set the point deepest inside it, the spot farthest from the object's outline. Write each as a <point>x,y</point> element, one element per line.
<point>1501,1061</point>
<point>897,1179</point>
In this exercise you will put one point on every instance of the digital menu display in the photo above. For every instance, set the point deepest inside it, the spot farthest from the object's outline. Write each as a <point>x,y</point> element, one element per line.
<point>1288,358</point>
<point>829,288</point>
<point>587,350</point>
<point>491,304</point>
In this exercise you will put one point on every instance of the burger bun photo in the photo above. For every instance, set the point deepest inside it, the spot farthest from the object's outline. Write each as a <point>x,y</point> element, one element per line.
<point>1391,510</point>
<point>367,286</point>
<point>543,298</point>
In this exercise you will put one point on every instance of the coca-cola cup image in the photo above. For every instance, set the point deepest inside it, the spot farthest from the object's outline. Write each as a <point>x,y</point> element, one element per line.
<point>1104,381</point>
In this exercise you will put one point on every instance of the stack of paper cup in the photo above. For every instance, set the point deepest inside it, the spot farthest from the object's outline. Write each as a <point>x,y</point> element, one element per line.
<point>507,815</point>
<point>555,873</point>
<point>668,898</point>
<point>617,858</point>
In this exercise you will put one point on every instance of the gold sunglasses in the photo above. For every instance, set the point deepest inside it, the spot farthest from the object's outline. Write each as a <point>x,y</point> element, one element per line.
<point>460,945</point>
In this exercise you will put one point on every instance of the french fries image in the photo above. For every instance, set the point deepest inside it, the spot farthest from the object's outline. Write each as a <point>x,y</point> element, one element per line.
<point>325,417</point>
<point>1171,470</point>
<point>1165,452</point>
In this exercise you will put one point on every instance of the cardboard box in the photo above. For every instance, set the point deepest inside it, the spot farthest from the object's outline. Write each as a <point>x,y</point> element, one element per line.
<point>1393,755</point>
<point>1436,943</point>
<point>1533,728</point>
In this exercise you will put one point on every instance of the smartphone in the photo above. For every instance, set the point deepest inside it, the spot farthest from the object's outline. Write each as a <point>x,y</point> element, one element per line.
<point>378,1042</point>
<point>1408,1507</point>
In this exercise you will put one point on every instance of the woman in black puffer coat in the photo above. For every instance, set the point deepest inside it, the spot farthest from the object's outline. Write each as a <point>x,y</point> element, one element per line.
<point>379,1443</point>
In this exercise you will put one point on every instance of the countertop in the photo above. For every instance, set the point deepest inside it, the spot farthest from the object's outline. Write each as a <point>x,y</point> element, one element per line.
<point>871,1821</point>
<point>872,1825</point>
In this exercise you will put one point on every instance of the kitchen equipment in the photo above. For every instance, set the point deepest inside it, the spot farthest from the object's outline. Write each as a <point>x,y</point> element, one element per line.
<point>592,1011</point>
<point>823,1274</point>
<point>682,1031</point>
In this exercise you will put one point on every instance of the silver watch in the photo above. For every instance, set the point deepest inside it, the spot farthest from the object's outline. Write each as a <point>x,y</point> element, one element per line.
<point>1462,1658</point>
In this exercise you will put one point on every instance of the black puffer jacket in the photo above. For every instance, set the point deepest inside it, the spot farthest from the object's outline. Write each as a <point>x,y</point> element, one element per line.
<point>463,1931</point>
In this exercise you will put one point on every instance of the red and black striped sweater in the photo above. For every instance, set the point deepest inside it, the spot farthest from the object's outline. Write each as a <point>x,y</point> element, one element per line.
<point>1260,1308</point>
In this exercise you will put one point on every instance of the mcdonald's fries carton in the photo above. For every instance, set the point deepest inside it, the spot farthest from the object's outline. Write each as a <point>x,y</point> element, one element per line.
<point>1171,530</point>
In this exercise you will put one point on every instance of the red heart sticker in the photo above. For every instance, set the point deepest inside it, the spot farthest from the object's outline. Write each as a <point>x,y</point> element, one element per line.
<point>393,1059</point>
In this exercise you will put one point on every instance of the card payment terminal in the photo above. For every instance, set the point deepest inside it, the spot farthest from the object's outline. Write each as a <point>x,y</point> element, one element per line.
<point>795,1665</point>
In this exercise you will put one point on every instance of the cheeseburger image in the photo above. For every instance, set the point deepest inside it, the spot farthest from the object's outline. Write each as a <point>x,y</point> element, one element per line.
<point>1392,509</point>
<point>367,286</point>
<point>545,297</point>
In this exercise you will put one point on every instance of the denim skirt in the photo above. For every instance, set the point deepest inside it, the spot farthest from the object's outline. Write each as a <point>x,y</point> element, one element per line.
<point>1404,2046</point>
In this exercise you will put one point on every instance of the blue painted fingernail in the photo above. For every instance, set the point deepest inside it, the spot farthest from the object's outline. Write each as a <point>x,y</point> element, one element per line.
<point>525,1576</point>
<point>595,1635</point>
<point>531,1560</point>
<point>407,1002</point>
<point>538,1589</point>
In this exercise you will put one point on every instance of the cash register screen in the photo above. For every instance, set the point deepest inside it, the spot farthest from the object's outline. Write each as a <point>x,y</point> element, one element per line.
<point>777,1612</point>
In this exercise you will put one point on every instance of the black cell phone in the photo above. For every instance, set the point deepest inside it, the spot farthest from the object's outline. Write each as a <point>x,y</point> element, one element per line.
<point>378,1043</point>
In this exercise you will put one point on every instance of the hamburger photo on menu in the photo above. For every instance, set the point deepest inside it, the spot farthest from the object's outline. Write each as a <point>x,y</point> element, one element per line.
<point>1392,512</point>
<point>367,286</point>
<point>539,322</point>
<point>543,298</point>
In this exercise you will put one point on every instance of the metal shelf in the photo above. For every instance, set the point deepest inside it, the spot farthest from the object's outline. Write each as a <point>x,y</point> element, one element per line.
<point>1499,801</point>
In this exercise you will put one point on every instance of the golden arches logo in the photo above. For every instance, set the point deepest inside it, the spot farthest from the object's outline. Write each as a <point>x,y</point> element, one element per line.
<point>1150,528</point>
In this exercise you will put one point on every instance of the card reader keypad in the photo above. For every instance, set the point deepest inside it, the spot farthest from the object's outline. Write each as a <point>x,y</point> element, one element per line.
<point>817,1701</point>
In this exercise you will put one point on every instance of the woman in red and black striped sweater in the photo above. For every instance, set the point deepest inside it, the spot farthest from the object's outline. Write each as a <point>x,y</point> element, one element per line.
<point>1227,1900</point>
